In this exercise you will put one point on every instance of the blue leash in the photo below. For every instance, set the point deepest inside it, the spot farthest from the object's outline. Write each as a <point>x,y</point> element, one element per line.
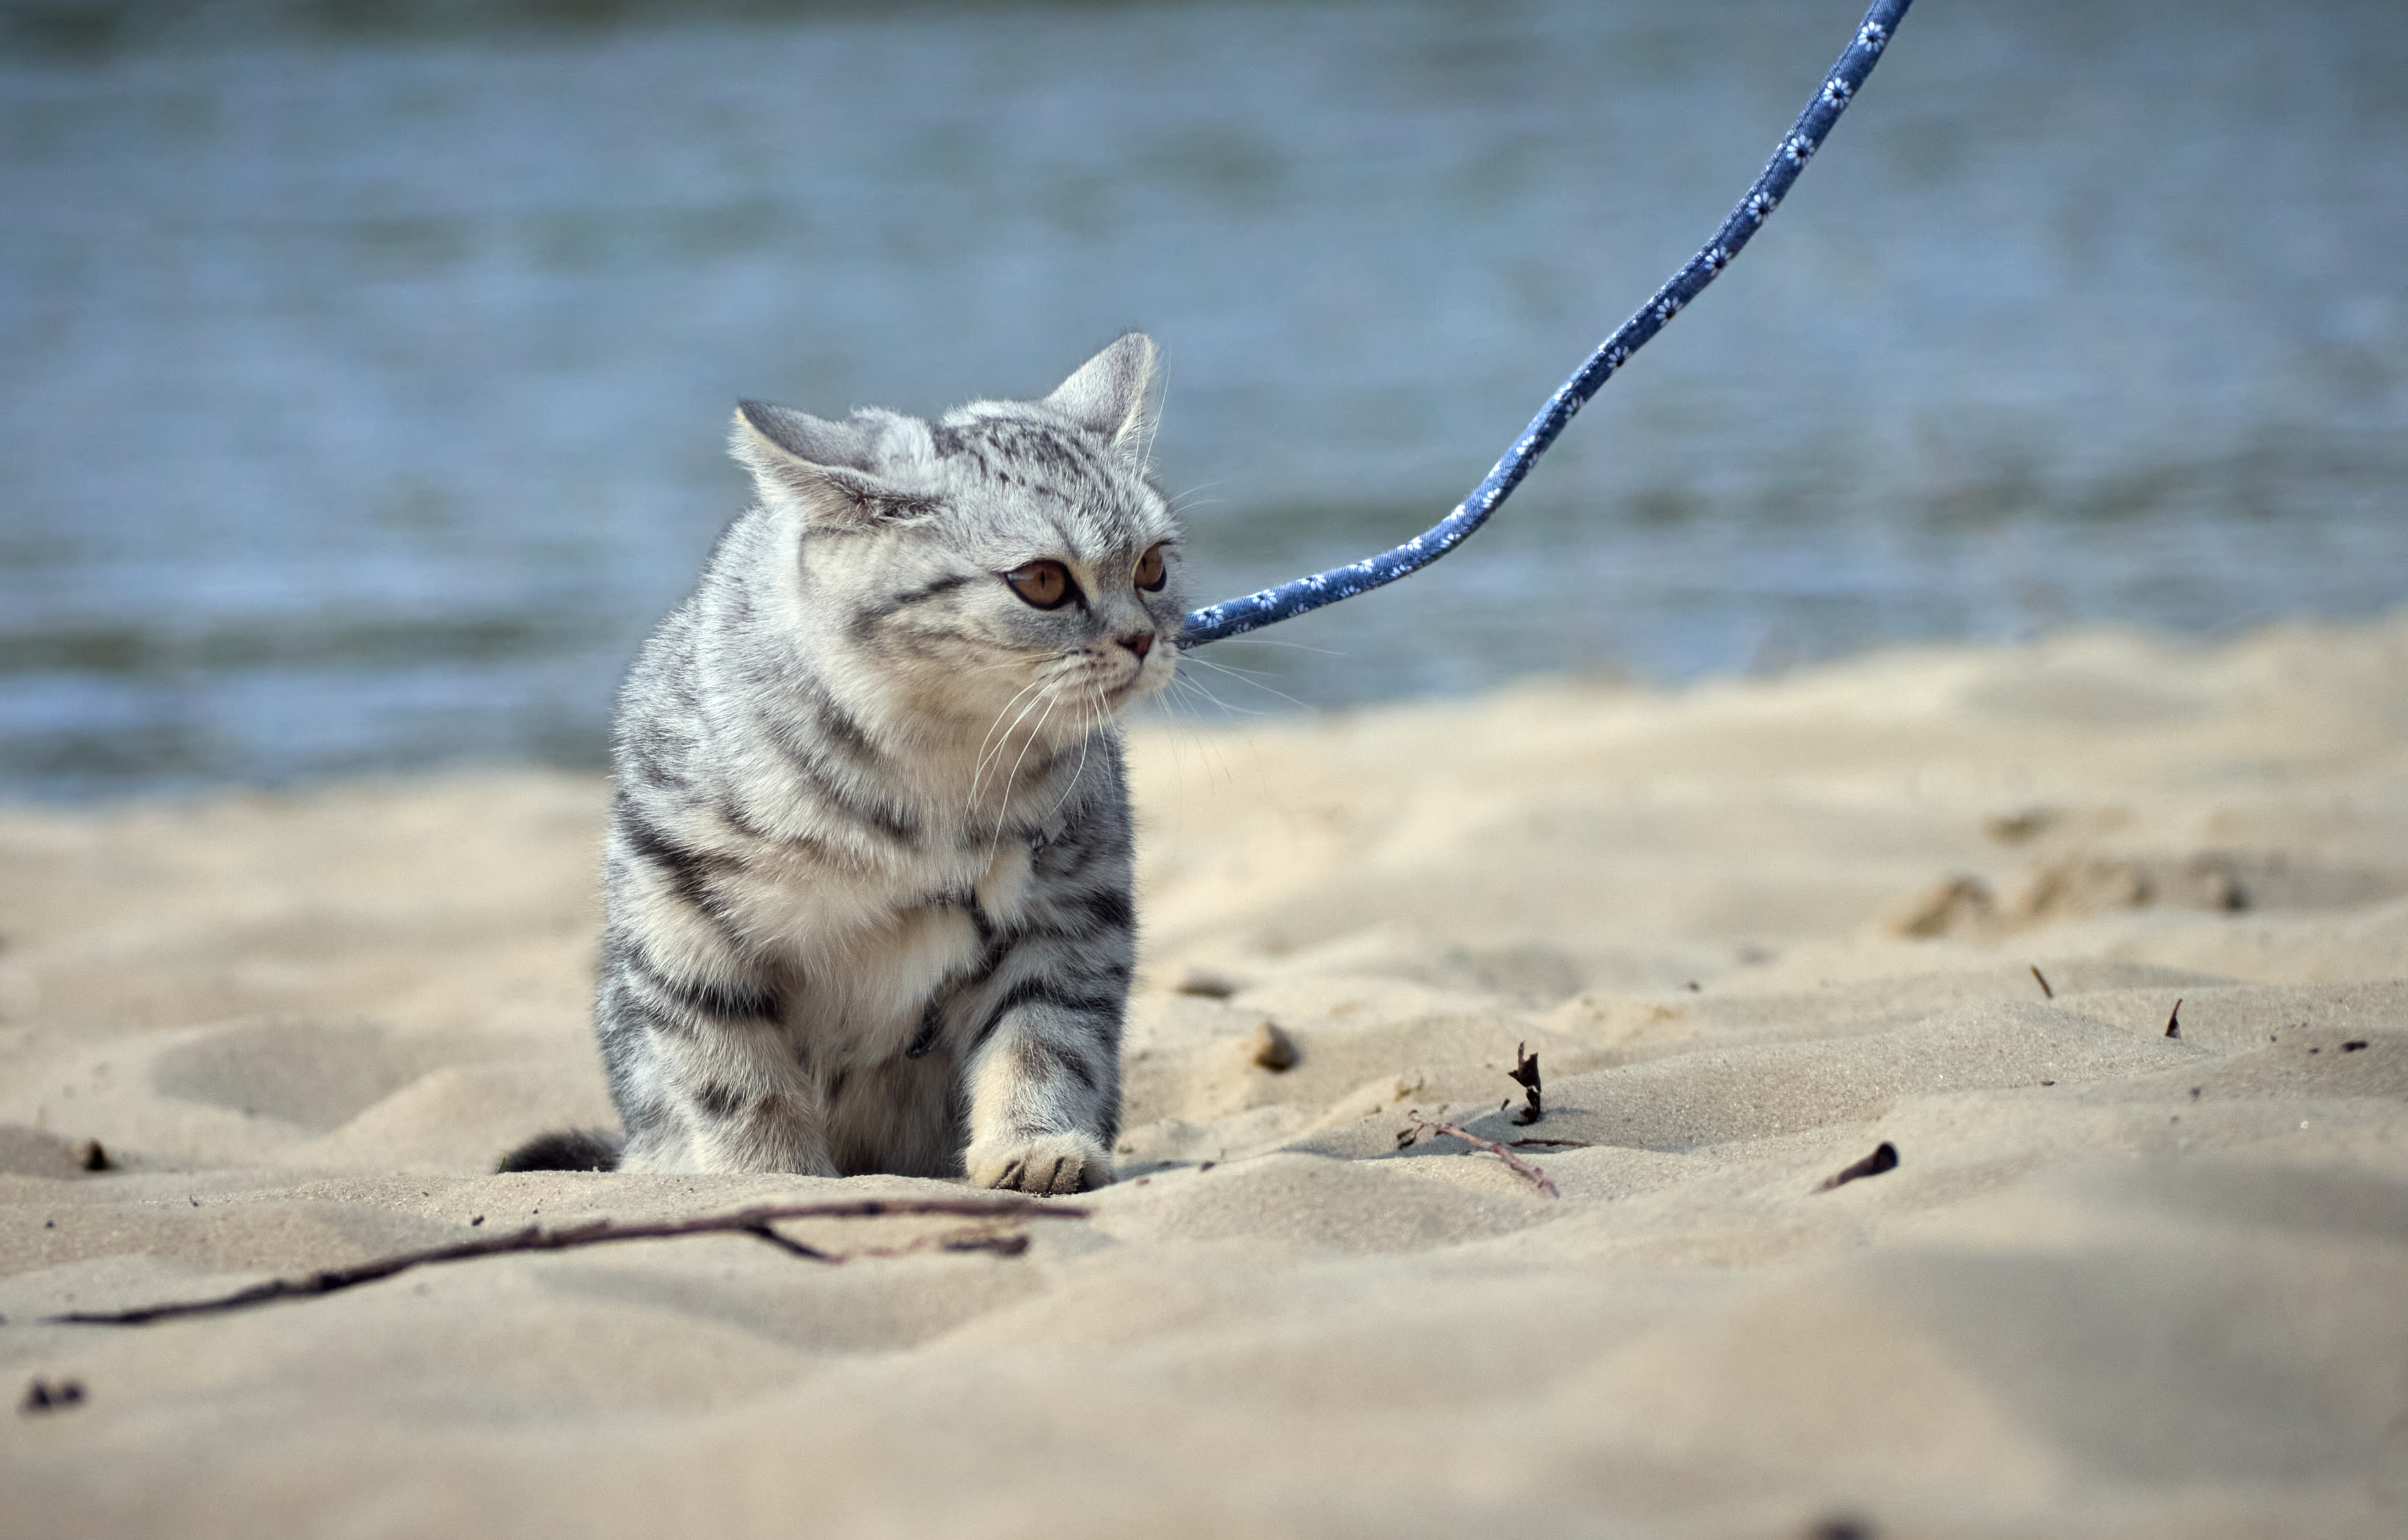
<point>1234,617</point>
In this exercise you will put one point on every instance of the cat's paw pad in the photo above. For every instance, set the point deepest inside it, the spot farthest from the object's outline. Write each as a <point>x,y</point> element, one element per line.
<point>1046,1163</point>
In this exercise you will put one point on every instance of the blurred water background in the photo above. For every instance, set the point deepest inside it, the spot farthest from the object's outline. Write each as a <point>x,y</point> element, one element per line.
<point>368,361</point>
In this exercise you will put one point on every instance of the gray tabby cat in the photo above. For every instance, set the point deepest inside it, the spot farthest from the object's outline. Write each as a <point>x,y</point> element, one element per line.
<point>868,872</point>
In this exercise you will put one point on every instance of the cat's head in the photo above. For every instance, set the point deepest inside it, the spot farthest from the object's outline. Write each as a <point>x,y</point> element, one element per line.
<point>1013,556</point>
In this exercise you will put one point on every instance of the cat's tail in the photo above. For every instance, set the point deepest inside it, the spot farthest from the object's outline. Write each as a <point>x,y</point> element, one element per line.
<point>570,1149</point>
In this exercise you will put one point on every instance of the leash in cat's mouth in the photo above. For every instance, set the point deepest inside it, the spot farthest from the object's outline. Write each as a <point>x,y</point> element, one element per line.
<point>1233,617</point>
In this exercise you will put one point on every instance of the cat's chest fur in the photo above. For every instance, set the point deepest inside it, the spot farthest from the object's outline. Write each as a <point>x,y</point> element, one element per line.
<point>875,949</point>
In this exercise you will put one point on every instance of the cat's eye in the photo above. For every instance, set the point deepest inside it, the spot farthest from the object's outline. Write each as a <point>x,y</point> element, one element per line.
<point>1043,583</point>
<point>1150,572</point>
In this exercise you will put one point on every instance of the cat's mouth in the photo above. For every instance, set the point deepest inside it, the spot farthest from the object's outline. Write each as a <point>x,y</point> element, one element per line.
<point>1135,685</point>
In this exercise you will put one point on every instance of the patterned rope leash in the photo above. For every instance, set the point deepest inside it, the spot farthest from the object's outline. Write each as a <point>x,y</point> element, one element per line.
<point>1233,617</point>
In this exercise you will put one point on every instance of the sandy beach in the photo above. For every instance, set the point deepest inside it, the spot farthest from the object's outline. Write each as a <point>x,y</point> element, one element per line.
<point>2121,1280</point>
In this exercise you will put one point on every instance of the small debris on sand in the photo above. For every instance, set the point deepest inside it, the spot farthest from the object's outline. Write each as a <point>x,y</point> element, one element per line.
<point>1270,1047</point>
<point>44,1396</point>
<point>1884,1157</point>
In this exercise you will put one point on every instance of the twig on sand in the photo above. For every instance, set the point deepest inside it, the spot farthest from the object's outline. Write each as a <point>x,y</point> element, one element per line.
<point>2043,982</point>
<point>1520,1167</point>
<point>756,1222</point>
<point>1884,1157</point>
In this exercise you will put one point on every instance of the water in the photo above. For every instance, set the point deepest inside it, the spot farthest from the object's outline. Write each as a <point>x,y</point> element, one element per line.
<point>367,362</point>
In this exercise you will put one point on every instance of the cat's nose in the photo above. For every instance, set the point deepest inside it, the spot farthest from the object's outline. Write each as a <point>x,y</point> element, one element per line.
<point>1140,642</point>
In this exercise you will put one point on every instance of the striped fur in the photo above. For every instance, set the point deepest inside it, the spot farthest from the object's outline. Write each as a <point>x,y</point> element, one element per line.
<point>868,869</point>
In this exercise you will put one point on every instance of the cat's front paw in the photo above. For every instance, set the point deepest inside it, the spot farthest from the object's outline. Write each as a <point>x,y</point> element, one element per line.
<point>1046,1164</point>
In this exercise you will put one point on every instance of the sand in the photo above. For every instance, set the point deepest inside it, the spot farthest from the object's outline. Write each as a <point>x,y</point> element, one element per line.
<point>2119,1283</point>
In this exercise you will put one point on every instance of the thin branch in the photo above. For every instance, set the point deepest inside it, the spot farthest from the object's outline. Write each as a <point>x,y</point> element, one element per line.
<point>1520,1167</point>
<point>1884,1157</point>
<point>755,1221</point>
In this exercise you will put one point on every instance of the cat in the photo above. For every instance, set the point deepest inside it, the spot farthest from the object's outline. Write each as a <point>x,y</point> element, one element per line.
<point>867,874</point>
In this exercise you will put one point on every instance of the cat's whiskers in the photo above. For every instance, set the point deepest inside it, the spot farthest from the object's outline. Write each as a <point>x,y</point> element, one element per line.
<point>1189,729</point>
<point>1199,687</point>
<point>1297,646</point>
<point>1003,805</point>
<point>999,737</point>
<point>1246,676</point>
<point>1179,499</point>
<point>995,745</point>
<point>1103,712</point>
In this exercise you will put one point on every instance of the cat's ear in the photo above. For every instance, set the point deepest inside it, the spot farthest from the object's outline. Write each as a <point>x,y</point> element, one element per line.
<point>825,471</point>
<point>1112,396</point>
